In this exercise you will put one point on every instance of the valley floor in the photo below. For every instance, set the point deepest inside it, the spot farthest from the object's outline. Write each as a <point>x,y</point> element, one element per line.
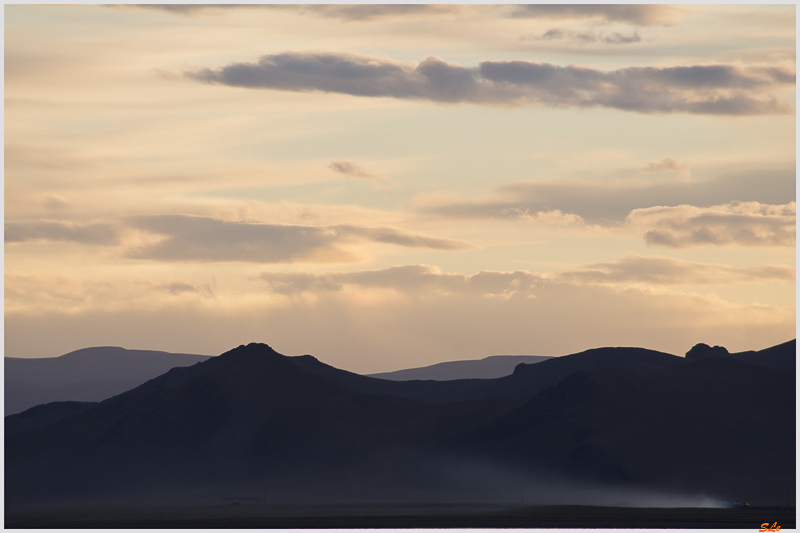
<point>252,515</point>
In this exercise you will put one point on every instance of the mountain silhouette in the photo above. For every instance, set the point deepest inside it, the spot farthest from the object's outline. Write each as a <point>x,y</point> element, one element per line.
<point>90,374</point>
<point>235,419</point>
<point>695,427</point>
<point>526,381</point>
<point>495,366</point>
<point>781,357</point>
<point>254,422</point>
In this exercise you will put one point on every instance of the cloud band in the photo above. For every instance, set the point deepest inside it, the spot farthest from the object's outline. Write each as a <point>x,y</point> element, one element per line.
<point>696,89</point>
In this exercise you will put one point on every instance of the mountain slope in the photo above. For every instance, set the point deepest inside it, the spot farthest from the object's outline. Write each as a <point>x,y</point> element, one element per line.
<point>716,425</point>
<point>244,417</point>
<point>783,356</point>
<point>90,374</point>
<point>44,415</point>
<point>495,366</point>
<point>254,422</point>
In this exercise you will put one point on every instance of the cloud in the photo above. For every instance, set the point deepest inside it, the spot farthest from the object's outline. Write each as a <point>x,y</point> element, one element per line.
<point>380,320</point>
<point>736,223</point>
<point>618,38</point>
<point>413,279</point>
<point>670,271</point>
<point>698,89</point>
<point>343,12</point>
<point>177,288</point>
<point>196,238</point>
<point>94,233</point>
<point>289,283</point>
<point>555,33</point>
<point>640,14</point>
<point>62,292</point>
<point>553,217</point>
<point>431,79</point>
<point>643,15</point>
<point>364,12</point>
<point>391,236</point>
<point>187,238</point>
<point>610,203</point>
<point>588,37</point>
<point>668,165</point>
<point>429,280</point>
<point>351,169</point>
<point>665,164</point>
<point>419,311</point>
<point>54,203</point>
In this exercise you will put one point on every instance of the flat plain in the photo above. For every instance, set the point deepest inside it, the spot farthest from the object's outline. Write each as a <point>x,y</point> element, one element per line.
<point>350,516</point>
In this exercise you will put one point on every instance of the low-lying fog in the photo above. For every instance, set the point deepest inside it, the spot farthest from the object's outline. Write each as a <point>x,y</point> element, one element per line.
<point>498,483</point>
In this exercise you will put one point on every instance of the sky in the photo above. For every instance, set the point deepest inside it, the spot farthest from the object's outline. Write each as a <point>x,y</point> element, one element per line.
<point>387,187</point>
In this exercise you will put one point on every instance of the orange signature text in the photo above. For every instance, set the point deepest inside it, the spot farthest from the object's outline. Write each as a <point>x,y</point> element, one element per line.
<point>765,527</point>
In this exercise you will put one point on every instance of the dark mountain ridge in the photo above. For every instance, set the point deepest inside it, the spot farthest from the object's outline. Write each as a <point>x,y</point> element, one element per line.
<point>623,424</point>
<point>283,428</point>
<point>526,381</point>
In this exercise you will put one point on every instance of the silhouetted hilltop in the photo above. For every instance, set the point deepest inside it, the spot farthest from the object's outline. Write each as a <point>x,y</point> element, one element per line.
<point>528,380</point>
<point>781,356</point>
<point>252,421</point>
<point>90,374</point>
<point>495,366</point>
<point>702,350</point>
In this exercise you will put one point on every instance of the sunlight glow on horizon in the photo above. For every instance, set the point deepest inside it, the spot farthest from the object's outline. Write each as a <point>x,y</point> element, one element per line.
<point>386,189</point>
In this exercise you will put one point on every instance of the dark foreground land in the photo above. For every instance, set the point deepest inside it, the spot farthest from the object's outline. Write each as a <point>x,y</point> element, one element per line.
<point>250,515</point>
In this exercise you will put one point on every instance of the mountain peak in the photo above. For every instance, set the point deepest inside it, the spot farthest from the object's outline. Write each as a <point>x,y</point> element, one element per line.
<point>703,350</point>
<point>254,348</point>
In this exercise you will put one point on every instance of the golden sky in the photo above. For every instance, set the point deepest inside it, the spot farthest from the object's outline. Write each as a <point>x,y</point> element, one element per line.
<point>386,187</point>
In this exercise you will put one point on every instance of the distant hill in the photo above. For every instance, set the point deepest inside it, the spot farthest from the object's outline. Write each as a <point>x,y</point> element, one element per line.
<point>90,374</point>
<point>254,423</point>
<point>495,366</point>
